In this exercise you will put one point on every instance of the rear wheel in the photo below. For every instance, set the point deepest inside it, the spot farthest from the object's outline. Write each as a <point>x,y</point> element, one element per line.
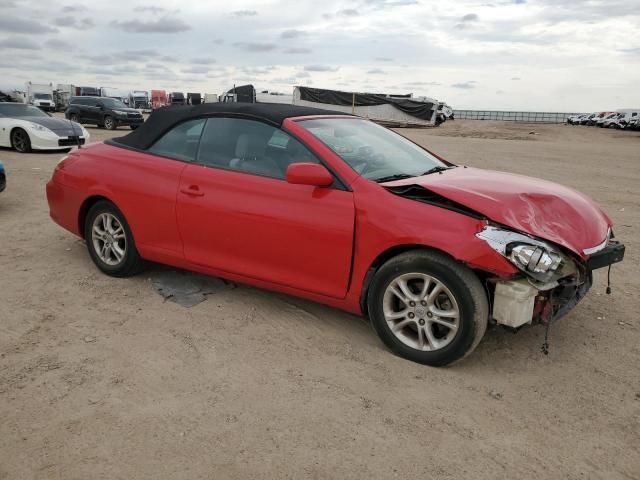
<point>20,140</point>
<point>428,308</point>
<point>110,123</point>
<point>110,241</point>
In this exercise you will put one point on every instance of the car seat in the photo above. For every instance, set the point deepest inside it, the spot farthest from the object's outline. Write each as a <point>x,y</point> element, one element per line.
<point>250,156</point>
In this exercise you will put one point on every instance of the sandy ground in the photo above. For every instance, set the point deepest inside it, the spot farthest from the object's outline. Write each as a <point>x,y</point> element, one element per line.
<point>101,379</point>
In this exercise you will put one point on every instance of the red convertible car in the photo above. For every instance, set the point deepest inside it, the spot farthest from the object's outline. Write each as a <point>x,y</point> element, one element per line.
<point>336,209</point>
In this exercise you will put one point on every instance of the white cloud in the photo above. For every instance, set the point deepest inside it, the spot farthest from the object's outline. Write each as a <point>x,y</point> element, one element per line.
<point>548,45</point>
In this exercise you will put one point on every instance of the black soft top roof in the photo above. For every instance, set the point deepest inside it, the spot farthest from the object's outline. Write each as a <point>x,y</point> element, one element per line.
<point>165,118</point>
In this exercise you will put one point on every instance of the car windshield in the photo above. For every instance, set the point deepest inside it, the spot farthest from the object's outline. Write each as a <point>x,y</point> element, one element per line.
<point>16,110</point>
<point>42,96</point>
<point>374,152</point>
<point>112,103</point>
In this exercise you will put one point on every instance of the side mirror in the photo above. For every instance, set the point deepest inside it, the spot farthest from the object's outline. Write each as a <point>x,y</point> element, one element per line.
<point>305,173</point>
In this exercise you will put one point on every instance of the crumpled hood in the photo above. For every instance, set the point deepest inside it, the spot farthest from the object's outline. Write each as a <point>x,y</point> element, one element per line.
<point>60,126</point>
<point>544,209</point>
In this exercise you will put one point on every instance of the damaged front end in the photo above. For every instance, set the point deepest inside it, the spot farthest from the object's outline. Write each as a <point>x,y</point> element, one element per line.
<point>551,281</point>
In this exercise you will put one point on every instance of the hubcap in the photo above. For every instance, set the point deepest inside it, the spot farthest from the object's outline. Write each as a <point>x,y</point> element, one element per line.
<point>108,239</point>
<point>421,311</point>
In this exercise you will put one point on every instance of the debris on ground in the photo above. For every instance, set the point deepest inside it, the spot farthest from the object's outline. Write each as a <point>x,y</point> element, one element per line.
<point>89,339</point>
<point>495,394</point>
<point>187,288</point>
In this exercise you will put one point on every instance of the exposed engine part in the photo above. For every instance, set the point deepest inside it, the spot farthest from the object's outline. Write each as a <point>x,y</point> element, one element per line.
<point>513,302</point>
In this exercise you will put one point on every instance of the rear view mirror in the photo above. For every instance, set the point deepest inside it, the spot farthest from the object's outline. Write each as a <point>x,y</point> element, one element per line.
<point>305,173</point>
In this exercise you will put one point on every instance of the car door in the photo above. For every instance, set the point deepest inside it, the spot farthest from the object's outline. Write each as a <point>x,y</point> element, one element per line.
<point>93,110</point>
<point>237,213</point>
<point>81,106</point>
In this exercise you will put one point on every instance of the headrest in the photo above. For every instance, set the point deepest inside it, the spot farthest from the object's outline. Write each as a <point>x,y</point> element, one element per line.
<point>250,146</point>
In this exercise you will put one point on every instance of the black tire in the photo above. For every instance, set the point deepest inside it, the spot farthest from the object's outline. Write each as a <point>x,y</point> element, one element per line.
<point>463,284</point>
<point>74,117</point>
<point>131,263</point>
<point>133,127</point>
<point>20,140</point>
<point>110,123</point>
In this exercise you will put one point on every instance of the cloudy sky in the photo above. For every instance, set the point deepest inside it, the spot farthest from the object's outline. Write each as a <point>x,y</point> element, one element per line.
<point>544,55</point>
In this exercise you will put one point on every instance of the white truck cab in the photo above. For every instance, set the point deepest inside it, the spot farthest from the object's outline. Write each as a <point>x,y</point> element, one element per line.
<point>41,95</point>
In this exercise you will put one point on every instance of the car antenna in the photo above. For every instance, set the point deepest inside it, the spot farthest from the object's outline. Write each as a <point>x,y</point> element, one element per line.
<point>73,129</point>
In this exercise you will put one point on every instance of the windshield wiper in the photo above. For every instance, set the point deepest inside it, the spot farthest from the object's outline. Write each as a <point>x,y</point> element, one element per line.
<point>436,169</point>
<point>389,178</point>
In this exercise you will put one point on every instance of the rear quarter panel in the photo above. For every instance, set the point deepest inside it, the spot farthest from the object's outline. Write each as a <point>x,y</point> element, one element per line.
<point>142,186</point>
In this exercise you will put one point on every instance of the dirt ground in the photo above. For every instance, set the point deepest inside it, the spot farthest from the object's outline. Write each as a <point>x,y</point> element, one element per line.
<point>102,379</point>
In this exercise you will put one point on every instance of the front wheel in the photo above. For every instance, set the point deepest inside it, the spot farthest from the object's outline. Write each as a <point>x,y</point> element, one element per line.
<point>74,118</point>
<point>110,241</point>
<point>20,140</point>
<point>428,308</point>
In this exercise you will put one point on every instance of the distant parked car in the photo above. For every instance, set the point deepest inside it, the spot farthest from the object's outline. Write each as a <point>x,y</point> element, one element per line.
<point>586,119</point>
<point>634,123</point>
<point>25,128</point>
<point>3,178</point>
<point>103,112</point>
<point>624,120</point>
<point>610,121</point>
<point>576,119</point>
<point>594,120</point>
<point>604,118</point>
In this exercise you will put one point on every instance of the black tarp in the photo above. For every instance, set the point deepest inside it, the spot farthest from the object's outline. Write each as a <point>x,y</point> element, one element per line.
<point>422,110</point>
<point>244,93</point>
<point>194,99</point>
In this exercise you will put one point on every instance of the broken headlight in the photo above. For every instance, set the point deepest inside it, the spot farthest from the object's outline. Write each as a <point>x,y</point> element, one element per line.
<point>533,259</point>
<point>537,259</point>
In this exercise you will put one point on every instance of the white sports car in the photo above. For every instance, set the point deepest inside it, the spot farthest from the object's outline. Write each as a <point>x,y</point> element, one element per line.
<point>25,128</point>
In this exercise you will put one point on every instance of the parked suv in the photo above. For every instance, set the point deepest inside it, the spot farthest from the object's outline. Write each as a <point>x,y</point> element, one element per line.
<point>103,112</point>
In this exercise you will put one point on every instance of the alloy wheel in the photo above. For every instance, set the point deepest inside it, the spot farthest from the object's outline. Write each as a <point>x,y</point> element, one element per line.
<point>109,239</point>
<point>20,140</point>
<point>421,311</point>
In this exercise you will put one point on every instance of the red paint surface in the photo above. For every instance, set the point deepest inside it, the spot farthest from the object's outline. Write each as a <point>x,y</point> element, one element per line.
<point>313,242</point>
<point>538,207</point>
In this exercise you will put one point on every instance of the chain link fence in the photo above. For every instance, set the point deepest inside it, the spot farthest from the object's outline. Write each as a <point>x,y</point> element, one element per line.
<point>545,117</point>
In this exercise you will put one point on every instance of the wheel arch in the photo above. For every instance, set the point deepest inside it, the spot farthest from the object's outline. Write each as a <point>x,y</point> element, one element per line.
<point>396,250</point>
<point>18,127</point>
<point>86,206</point>
<point>384,257</point>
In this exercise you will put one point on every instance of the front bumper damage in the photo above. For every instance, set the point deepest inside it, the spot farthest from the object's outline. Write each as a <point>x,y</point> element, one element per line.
<point>519,301</point>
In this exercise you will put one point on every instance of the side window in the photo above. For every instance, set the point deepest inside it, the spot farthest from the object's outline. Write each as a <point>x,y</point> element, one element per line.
<point>181,141</point>
<point>250,146</point>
